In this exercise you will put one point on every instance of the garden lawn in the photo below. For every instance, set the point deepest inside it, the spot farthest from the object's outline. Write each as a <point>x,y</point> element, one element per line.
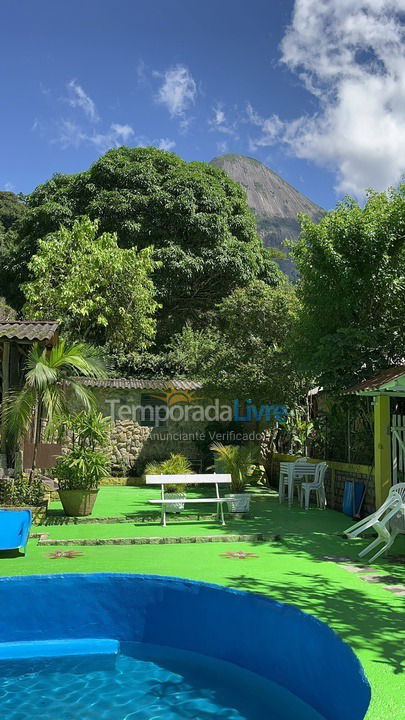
<point>290,568</point>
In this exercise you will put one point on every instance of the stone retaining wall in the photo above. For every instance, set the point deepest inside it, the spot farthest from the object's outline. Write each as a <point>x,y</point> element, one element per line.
<point>133,444</point>
<point>127,441</point>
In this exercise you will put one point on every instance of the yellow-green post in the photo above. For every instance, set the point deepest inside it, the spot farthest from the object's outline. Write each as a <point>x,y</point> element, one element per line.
<point>382,448</point>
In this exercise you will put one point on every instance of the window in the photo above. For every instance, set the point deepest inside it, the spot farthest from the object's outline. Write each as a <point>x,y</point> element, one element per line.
<point>153,411</point>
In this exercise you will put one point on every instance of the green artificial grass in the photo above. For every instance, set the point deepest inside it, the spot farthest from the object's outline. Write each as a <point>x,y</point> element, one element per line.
<point>291,568</point>
<point>267,516</point>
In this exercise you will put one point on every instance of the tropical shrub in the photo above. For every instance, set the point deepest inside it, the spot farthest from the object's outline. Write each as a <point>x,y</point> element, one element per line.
<point>82,469</point>
<point>176,464</point>
<point>87,462</point>
<point>23,491</point>
<point>238,460</point>
<point>88,429</point>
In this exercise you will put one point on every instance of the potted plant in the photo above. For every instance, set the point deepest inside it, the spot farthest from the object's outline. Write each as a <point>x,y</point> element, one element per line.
<point>81,469</point>
<point>239,461</point>
<point>174,465</point>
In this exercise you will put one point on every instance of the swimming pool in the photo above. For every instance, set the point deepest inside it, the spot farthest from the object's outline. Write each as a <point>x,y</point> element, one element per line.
<point>131,647</point>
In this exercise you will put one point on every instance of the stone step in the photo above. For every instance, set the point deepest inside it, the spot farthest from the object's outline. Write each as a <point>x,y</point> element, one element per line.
<point>44,540</point>
<point>153,518</point>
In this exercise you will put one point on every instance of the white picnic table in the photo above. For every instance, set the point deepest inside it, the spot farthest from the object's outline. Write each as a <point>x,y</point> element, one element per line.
<point>294,470</point>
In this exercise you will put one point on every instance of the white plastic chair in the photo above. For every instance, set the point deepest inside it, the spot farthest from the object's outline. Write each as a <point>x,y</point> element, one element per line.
<point>388,521</point>
<point>354,530</point>
<point>399,488</point>
<point>388,527</point>
<point>283,480</point>
<point>317,485</point>
<point>291,476</point>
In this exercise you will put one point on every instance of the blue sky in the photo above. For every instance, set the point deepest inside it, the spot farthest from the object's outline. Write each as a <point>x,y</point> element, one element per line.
<point>316,95</point>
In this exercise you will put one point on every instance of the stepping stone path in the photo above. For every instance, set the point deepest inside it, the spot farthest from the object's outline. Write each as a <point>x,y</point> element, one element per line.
<point>368,574</point>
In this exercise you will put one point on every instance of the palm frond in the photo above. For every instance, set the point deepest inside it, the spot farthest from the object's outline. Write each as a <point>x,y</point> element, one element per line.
<point>18,412</point>
<point>84,395</point>
<point>54,406</point>
<point>50,388</point>
<point>38,372</point>
<point>77,359</point>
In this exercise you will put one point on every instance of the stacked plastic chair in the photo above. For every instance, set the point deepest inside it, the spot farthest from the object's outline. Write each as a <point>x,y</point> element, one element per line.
<point>388,521</point>
<point>317,485</point>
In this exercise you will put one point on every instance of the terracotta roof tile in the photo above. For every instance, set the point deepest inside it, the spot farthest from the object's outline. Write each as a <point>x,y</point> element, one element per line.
<point>30,330</point>
<point>378,380</point>
<point>141,383</point>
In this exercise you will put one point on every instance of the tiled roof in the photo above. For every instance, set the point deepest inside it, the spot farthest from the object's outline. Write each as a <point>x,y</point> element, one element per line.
<point>141,383</point>
<point>379,380</point>
<point>30,330</point>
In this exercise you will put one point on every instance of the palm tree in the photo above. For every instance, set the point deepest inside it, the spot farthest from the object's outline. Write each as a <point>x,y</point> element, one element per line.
<point>50,376</point>
<point>238,460</point>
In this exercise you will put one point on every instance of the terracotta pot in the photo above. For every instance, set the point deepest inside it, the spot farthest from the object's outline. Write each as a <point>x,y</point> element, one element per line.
<point>77,503</point>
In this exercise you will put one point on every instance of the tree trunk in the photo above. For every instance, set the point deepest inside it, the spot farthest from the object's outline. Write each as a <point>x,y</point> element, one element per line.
<point>37,435</point>
<point>5,391</point>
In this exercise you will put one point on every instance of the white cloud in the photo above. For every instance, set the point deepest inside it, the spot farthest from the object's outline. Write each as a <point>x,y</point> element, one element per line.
<point>164,144</point>
<point>219,116</point>
<point>114,137</point>
<point>78,98</point>
<point>220,122</point>
<point>72,135</point>
<point>271,128</point>
<point>222,146</point>
<point>44,89</point>
<point>177,92</point>
<point>141,71</point>
<point>9,187</point>
<point>350,55</point>
<point>122,131</point>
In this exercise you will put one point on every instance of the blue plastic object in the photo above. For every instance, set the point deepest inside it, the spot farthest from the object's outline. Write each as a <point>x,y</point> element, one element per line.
<point>349,507</point>
<point>274,640</point>
<point>58,648</point>
<point>14,529</point>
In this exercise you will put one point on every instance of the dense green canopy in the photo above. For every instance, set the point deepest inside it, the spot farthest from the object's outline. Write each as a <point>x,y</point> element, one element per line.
<point>243,355</point>
<point>194,216</point>
<point>352,267</point>
<point>100,293</point>
<point>12,208</point>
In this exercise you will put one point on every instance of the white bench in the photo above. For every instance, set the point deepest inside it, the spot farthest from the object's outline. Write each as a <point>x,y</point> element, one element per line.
<point>204,479</point>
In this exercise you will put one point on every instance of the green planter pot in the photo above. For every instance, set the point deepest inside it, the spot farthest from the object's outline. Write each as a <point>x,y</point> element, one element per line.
<point>77,503</point>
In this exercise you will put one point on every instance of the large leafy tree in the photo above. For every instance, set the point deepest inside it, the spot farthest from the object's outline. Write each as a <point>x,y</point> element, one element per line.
<point>352,289</point>
<point>99,292</point>
<point>196,218</point>
<point>245,354</point>
<point>6,312</point>
<point>12,208</point>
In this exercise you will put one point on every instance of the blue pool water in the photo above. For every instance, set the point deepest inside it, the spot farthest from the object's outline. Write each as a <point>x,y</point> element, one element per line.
<point>144,682</point>
<point>188,651</point>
